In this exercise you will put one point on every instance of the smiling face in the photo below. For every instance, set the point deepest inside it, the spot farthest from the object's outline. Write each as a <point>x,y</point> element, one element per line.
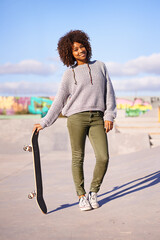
<point>79,53</point>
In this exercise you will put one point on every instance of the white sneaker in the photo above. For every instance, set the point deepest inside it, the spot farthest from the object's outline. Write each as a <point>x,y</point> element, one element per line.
<point>84,204</point>
<point>92,197</point>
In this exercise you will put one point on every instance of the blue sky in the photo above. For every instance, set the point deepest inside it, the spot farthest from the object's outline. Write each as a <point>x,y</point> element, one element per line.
<point>124,34</point>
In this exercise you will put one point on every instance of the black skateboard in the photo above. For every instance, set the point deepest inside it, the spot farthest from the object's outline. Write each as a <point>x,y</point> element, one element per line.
<point>37,172</point>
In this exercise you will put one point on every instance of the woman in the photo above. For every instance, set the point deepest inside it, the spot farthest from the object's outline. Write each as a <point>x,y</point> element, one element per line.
<point>87,98</point>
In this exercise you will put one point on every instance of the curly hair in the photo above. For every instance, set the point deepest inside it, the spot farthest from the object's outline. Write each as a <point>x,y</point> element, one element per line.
<point>65,46</point>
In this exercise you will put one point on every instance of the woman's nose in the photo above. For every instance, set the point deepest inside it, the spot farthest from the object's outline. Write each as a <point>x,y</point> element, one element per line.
<point>80,50</point>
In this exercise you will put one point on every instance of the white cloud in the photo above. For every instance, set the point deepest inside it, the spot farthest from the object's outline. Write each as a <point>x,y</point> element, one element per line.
<point>27,67</point>
<point>26,88</point>
<point>144,64</point>
<point>148,67</point>
<point>148,83</point>
<point>141,65</point>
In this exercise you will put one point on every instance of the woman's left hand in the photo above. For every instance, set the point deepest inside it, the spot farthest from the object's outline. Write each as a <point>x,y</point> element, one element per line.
<point>108,126</point>
<point>38,127</point>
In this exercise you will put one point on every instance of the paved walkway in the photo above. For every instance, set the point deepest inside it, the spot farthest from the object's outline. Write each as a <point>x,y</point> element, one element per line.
<point>129,197</point>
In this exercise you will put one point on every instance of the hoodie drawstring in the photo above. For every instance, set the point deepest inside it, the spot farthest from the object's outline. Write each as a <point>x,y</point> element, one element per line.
<point>75,81</point>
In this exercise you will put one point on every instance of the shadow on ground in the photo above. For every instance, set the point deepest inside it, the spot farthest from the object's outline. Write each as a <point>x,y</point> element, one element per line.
<point>129,188</point>
<point>133,186</point>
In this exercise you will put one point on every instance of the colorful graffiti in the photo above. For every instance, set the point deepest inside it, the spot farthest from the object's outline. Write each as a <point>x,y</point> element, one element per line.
<point>14,105</point>
<point>133,108</point>
<point>24,105</point>
<point>41,105</point>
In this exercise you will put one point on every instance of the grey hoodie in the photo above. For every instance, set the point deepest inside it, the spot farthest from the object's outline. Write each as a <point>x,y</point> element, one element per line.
<point>79,91</point>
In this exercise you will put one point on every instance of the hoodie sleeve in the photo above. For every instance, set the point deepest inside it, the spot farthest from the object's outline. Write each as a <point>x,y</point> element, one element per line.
<point>58,103</point>
<point>111,109</point>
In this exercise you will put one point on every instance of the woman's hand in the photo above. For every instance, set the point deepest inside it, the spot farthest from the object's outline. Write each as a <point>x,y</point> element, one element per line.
<point>108,126</point>
<point>38,127</point>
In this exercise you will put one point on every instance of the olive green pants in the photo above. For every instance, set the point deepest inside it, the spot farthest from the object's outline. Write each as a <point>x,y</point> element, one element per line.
<point>89,124</point>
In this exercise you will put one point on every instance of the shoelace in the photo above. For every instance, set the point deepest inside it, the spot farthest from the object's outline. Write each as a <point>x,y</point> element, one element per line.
<point>83,200</point>
<point>93,197</point>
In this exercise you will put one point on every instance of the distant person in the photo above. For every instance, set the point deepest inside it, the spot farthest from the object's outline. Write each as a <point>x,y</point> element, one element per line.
<point>86,97</point>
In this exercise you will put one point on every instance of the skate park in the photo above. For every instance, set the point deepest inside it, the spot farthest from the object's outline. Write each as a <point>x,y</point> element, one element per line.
<point>129,196</point>
<point>124,36</point>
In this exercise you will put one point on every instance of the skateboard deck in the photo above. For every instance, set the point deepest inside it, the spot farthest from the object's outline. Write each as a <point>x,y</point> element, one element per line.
<point>37,172</point>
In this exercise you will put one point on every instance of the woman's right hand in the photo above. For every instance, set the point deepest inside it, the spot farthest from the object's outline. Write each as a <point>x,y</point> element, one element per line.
<point>38,127</point>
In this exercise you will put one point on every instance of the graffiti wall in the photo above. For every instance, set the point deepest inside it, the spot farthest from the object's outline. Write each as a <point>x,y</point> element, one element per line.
<point>14,105</point>
<point>133,108</point>
<point>41,105</point>
<point>24,105</point>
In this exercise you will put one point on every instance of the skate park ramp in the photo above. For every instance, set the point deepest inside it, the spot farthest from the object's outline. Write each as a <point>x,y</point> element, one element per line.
<point>129,196</point>
<point>17,132</point>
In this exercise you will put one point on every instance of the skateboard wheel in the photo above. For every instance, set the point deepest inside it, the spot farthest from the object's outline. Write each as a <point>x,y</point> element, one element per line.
<point>31,195</point>
<point>27,148</point>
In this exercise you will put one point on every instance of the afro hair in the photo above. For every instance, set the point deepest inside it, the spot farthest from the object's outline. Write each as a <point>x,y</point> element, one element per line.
<point>65,46</point>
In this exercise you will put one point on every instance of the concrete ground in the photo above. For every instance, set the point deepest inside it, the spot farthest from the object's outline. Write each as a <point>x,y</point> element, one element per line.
<point>129,197</point>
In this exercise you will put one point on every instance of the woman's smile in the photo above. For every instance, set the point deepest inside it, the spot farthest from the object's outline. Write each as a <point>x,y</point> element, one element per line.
<point>79,53</point>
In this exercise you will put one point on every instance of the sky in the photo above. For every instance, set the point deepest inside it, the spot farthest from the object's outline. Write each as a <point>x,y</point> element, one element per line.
<point>124,34</point>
